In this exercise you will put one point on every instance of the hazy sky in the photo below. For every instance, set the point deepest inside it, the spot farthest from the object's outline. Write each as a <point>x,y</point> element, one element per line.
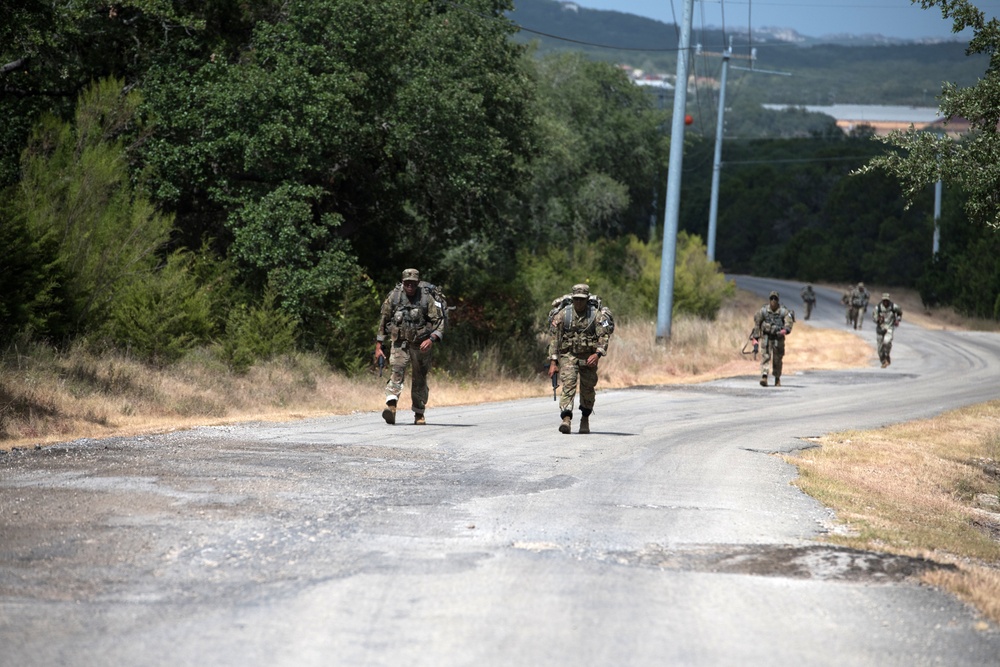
<point>813,18</point>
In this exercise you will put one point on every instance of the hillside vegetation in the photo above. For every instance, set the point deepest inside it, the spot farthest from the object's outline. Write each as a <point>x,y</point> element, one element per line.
<point>821,73</point>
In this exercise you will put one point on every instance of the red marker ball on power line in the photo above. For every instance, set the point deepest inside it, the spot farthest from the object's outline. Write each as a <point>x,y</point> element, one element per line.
<point>688,119</point>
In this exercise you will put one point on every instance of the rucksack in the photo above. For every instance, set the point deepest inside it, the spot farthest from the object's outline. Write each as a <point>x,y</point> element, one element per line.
<point>428,292</point>
<point>601,312</point>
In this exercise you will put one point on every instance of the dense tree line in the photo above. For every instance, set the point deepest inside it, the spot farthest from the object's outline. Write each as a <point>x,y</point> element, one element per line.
<point>253,178</point>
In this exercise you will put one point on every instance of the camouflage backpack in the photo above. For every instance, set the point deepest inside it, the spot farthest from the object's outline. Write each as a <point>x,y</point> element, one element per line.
<point>599,312</point>
<point>428,292</point>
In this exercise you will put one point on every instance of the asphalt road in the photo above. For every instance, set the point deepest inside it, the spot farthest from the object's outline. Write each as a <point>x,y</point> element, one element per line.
<point>671,535</point>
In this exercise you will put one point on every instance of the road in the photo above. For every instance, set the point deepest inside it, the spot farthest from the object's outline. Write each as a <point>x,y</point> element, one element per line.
<point>671,535</point>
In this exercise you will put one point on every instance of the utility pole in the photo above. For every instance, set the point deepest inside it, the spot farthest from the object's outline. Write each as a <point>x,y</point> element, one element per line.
<point>669,256</point>
<point>936,246</point>
<point>937,218</point>
<point>713,212</point>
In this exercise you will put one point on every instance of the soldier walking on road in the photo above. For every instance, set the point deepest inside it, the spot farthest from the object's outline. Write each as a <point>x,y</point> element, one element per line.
<point>771,324</point>
<point>809,299</point>
<point>887,316</point>
<point>859,305</point>
<point>581,331</point>
<point>412,317</point>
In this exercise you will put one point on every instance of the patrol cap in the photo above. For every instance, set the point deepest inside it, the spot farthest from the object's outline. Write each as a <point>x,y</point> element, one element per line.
<point>885,296</point>
<point>773,295</point>
<point>861,284</point>
<point>411,274</point>
<point>581,291</point>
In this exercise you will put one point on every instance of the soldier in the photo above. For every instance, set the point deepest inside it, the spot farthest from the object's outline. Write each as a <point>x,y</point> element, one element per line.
<point>845,299</point>
<point>771,324</point>
<point>887,316</point>
<point>580,337</point>
<point>809,299</point>
<point>859,305</point>
<point>413,318</point>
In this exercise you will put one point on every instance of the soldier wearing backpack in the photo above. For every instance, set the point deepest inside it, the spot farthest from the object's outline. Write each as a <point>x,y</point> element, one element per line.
<point>413,319</point>
<point>887,316</point>
<point>581,329</point>
<point>770,326</point>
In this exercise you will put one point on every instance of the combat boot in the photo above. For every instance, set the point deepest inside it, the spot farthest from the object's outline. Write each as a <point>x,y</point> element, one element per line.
<point>418,419</point>
<point>763,380</point>
<point>567,424</point>
<point>585,424</point>
<point>777,381</point>
<point>389,413</point>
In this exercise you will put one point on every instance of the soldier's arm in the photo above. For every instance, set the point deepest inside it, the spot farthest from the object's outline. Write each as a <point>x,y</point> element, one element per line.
<point>436,317</point>
<point>757,320</point>
<point>385,314</point>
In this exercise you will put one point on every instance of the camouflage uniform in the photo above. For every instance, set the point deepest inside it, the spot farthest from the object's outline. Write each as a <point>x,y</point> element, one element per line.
<point>579,339</point>
<point>771,324</point>
<point>859,305</point>
<point>412,324</point>
<point>808,298</point>
<point>887,316</point>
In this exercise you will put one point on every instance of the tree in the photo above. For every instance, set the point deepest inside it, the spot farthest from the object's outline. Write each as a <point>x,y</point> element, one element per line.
<point>600,152</point>
<point>347,137</point>
<point>973,163</point>
<point>77,191</point>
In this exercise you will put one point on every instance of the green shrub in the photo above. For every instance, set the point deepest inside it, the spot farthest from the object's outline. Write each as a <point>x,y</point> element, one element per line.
<point>159,316</point>
<point>257,333</point>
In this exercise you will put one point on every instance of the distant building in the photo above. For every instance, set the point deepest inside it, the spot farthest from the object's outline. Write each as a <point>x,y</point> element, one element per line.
<point>881,118</point>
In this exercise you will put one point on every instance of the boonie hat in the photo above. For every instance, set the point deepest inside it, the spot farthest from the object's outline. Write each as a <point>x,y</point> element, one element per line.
<point>581,291</point>
<point>411,274</point>
<point>885,296</point>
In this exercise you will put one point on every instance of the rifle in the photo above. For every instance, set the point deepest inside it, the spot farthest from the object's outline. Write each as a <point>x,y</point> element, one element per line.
<point>756,345</point>
<point>555,384</point>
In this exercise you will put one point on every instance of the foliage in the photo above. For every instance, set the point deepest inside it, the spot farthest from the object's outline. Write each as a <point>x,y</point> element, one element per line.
<point>625,273</point>
<point>161,315</point>
<point>76,189</point>
<point>699,285</point>
<point>792,209</point>
<point>402,125</point>
<point>600,153</point>
<point>31,300</point>
<point>973,163</point>
<point>51,51</point>
<point>257,333</point>
<point>860,70</point>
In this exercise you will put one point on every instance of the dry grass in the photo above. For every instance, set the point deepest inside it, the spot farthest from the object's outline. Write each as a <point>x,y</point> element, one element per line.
<point>915,489</point>
<point>927,488</point>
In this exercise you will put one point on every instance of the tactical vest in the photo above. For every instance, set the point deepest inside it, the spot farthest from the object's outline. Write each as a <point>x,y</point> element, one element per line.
<point>886,317</point>
<point>772,321</point>
<point>579,340</point>
<point>409,320</point>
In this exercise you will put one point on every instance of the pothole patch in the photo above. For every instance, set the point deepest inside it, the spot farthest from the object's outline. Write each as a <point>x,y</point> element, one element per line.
<point>824,562</point>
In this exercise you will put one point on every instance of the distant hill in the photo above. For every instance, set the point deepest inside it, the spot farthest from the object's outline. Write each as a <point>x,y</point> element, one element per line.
<point>867,69</point>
